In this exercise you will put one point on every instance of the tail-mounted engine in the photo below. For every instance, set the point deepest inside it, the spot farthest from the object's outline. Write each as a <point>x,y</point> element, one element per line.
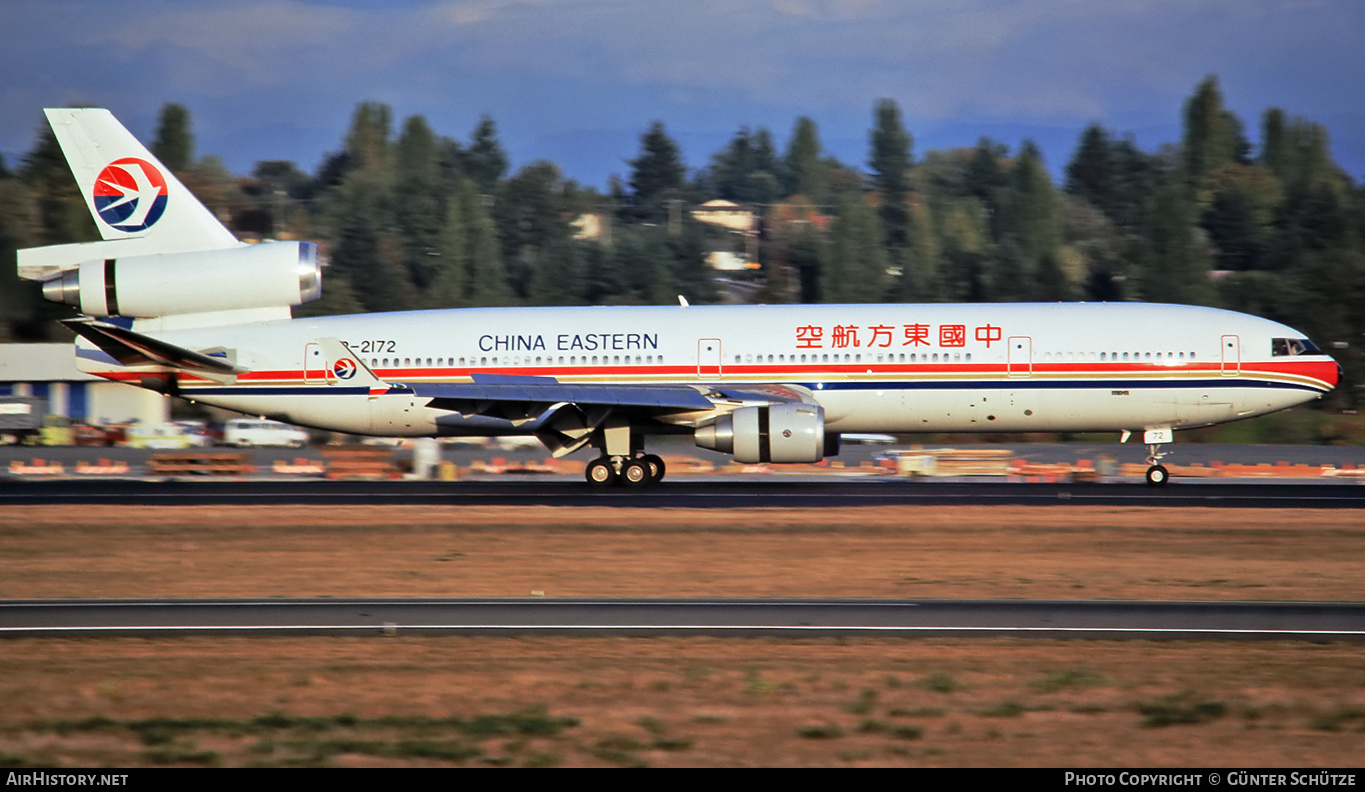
<point>775,433</point>
<point>272,274</point>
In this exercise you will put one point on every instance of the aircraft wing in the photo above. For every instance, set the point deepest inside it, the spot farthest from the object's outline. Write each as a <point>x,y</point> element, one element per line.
<point>491,394</point>
<point>564,415</point>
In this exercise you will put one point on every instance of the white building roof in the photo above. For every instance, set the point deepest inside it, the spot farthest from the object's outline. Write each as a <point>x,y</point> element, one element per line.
<point>41,363</point>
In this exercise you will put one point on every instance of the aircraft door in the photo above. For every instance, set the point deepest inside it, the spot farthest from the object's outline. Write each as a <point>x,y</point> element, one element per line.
<point>1232,356</point>
<point>317,369</point>
<point>1020,356</point>
<point>708,358</point>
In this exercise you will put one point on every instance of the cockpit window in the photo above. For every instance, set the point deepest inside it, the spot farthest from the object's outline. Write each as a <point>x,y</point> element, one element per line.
<point>1286,347</point>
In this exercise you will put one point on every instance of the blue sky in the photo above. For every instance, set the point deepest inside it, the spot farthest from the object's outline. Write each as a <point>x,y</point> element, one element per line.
<point>578,81</point>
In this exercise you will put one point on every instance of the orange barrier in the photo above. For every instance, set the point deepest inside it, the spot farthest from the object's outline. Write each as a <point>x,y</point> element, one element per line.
<point>103,467</point>
<point>362,462</point>
<point>202,463</point>
<point>300,466</point>
<point>38,468</point>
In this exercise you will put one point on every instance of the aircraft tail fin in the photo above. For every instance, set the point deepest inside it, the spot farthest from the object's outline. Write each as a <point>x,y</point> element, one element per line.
<point>164,257</point>
<point>128,191</point>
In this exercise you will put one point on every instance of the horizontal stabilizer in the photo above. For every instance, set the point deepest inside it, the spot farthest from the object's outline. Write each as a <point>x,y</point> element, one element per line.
<point>135,349</point>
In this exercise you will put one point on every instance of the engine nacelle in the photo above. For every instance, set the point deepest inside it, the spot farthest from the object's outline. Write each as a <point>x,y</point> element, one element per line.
<point>272,274</point>
<point>776,433</point>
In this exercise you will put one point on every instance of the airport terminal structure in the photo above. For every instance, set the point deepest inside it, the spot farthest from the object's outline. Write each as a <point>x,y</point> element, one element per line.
<point>49,371</point>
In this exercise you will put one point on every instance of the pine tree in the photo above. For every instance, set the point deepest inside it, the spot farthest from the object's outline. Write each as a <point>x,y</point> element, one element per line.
<point>804,169</point>
<point>890,161</point>
<point>174,145</point>
<point>487,283</point>
<point>450,288</point>
<point>657,174</point>
<point>1174,268</point>
<point>1213,136</point>
<point>1091,172</point>
<point>367,141</point>
<point>485,160</point>
<point>856,271</point>
<point>1030,216</point>
<point>418,208</point>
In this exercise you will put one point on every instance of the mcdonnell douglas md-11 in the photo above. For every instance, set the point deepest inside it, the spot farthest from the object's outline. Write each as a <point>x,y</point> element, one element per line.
<point>173,302</point>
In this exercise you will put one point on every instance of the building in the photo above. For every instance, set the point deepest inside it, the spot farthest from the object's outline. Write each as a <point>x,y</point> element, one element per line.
<point>49,371</point>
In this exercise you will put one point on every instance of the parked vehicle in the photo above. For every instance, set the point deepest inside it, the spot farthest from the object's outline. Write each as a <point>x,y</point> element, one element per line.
<point>247,432</point>
<point>162,436</point>
<point>21,418</point>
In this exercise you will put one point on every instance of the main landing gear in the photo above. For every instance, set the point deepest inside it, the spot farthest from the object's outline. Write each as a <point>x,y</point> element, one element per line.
<point>623,459</point>
<point>632,471</point>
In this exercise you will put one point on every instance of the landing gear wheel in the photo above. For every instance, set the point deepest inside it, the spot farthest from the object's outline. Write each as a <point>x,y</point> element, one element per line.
<point>636,473</point>
<point>600,473</point>
<point>1157,476</point>
<point>656,467</point>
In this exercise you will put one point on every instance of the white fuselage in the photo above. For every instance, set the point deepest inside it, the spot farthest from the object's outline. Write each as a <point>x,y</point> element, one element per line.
<point>873,368</point>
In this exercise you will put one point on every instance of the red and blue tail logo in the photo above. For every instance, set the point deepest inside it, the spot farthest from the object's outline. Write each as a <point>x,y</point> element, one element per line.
<point>344,368</point>
<point>130,194</point>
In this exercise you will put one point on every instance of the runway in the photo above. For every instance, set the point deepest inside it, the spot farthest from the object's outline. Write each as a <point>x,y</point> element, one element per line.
<point>692,493</point>
<point>1116,620</point>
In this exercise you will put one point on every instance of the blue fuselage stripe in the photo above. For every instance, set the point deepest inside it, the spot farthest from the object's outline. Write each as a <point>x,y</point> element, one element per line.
<point>1021,383</point>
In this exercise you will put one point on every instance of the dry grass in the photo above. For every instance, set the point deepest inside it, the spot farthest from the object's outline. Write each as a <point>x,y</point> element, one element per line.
<point>598,701</point>
<point>1027,552</point>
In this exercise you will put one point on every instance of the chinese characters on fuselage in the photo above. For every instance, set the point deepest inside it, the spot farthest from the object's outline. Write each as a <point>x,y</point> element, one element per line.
<point>882,336</point>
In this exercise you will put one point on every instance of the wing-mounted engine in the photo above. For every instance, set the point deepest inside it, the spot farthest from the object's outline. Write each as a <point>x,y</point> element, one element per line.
<point>269,275</point>
<point>790,432</point>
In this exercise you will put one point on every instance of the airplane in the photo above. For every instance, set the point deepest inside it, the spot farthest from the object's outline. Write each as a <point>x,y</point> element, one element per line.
<point>171,301</point>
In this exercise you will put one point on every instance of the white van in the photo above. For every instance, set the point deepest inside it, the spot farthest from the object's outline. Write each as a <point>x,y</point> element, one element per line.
<point>244,432</point>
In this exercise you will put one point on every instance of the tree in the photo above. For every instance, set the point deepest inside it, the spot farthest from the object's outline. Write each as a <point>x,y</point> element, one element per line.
<point>1240,214</point>
<point>367,141</point>
<point>890,161</point>
<point>487,274</point>
<point>174,145</point>
<point>1030,217</point>
<point>485,161</point>
<point>1277,148</point>
<point>1174,267</point>
<point>364,250</point>
<point>747,170</point>
<point>920,279</point>
<point>20,301</point>
<point>1090,174</point>
<point>419,201</point>
<point>1112,175</point>
<point>657,174</point>
<point>531,221</point>
<point>450,287</point>
<point>856,269</point>
<point>804,170</point>
<point>1213,136</point>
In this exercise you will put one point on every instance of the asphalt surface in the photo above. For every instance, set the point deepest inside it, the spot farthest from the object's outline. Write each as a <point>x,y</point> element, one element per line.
<point>851,454</point>
<point>682,492</point>
<point>899,618</point>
